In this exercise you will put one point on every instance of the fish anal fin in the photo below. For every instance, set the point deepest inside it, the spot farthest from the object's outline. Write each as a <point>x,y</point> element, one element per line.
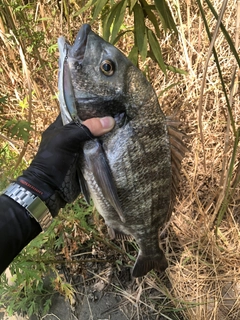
<point>144,264</point>
<point>118,235</point>
<point>122,236</point>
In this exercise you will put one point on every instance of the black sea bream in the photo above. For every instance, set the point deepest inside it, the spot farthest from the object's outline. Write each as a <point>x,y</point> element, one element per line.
<point>128,172</point>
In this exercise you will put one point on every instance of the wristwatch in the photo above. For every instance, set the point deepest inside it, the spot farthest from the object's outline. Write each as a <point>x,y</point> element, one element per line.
<point>35,207</point>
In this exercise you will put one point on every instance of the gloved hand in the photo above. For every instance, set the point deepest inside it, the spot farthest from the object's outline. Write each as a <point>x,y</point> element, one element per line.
<point>52,175</point>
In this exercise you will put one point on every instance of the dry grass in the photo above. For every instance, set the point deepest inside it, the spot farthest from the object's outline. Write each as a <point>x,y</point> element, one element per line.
<point>203,278</point>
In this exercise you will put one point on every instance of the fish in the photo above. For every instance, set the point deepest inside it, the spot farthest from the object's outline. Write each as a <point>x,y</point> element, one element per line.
<point>132,172</point>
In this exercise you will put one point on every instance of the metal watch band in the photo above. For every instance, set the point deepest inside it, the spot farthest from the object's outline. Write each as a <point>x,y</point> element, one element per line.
<point>32,203</point>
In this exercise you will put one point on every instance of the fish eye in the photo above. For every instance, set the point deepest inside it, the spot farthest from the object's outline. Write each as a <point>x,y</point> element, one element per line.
<point>107,67</point>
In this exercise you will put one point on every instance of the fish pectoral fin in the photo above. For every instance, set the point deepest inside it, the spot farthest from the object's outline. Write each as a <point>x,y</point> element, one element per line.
<point>144,264</point>
<point>83,186</point>
<point>99,166</point>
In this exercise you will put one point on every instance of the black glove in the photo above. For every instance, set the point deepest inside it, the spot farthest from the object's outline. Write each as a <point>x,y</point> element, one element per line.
<point>52,175</point>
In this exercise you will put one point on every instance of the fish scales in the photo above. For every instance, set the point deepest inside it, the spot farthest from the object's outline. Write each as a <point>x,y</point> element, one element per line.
<point>128,171</point>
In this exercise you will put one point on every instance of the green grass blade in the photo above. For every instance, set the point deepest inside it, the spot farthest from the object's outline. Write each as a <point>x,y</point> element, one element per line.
<point>218,67</point>
<point>226,34</point>
<point>229,177</point>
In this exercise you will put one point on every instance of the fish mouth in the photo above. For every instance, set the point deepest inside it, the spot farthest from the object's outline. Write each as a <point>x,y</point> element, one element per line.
<point>77,50</point>
<point>66,92</point>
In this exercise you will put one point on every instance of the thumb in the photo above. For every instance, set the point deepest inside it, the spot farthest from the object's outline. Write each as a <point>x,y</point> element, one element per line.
<point>99,126</point>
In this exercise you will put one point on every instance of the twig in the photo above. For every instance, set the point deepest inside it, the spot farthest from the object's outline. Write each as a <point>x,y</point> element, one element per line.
<point>200,111</point>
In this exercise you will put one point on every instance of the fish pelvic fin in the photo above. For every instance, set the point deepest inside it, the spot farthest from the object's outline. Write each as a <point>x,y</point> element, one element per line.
<point>144,264</point>
<point>98,164</point>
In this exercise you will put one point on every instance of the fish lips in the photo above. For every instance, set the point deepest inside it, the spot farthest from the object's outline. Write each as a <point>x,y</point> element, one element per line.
<point>74,53</point>
<point>77,50</point>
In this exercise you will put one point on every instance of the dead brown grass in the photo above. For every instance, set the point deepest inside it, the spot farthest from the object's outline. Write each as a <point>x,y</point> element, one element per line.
<point>205,270</point>
<point>203,278</point>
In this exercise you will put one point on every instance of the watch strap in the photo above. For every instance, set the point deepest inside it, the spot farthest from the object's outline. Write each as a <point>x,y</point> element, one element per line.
<point>35,207</point>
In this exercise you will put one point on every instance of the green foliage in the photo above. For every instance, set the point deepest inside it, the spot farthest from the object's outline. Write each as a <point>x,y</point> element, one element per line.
<point>18,128</point>
<point>230,43</point>
<point>140,31</point>
<point>154,44</point>
<point>165,15</point>
<point>3,100</point>
<point>224,31</point>
<point>113,13</point>
<point>8,158</point>
<point>26,293</point>
<point>29,292</point>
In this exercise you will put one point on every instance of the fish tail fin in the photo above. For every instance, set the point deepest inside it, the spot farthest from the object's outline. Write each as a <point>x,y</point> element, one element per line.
<point>144,264</point>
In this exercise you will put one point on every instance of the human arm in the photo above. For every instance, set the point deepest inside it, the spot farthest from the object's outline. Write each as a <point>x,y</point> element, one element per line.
<point>58,151</point>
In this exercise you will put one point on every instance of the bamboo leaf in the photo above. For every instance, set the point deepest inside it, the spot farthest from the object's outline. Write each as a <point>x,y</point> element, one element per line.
<point>176,70</point>
<point>151,16</point>
<point>98,8</point>
<point>156,50</point>
<point>165,15</point>
<point>132,4</point>
<point>108,22</point>
<point>140,31</point>
<point>133,55</point>
<point>168,88</point>
<point>87,6</point>
<point>120,35</point>
<point>118,19</point>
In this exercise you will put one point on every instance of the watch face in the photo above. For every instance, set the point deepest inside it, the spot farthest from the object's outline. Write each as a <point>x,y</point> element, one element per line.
<point>33,204</point>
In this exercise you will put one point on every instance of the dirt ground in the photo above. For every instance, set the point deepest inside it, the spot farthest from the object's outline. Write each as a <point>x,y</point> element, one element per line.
<point>94,302</point>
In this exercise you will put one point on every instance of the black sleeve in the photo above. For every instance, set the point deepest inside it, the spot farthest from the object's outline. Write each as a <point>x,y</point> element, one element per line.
<point>17,229</point>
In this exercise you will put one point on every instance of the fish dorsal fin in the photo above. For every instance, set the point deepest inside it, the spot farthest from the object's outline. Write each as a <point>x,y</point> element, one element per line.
<point>178,150</point>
